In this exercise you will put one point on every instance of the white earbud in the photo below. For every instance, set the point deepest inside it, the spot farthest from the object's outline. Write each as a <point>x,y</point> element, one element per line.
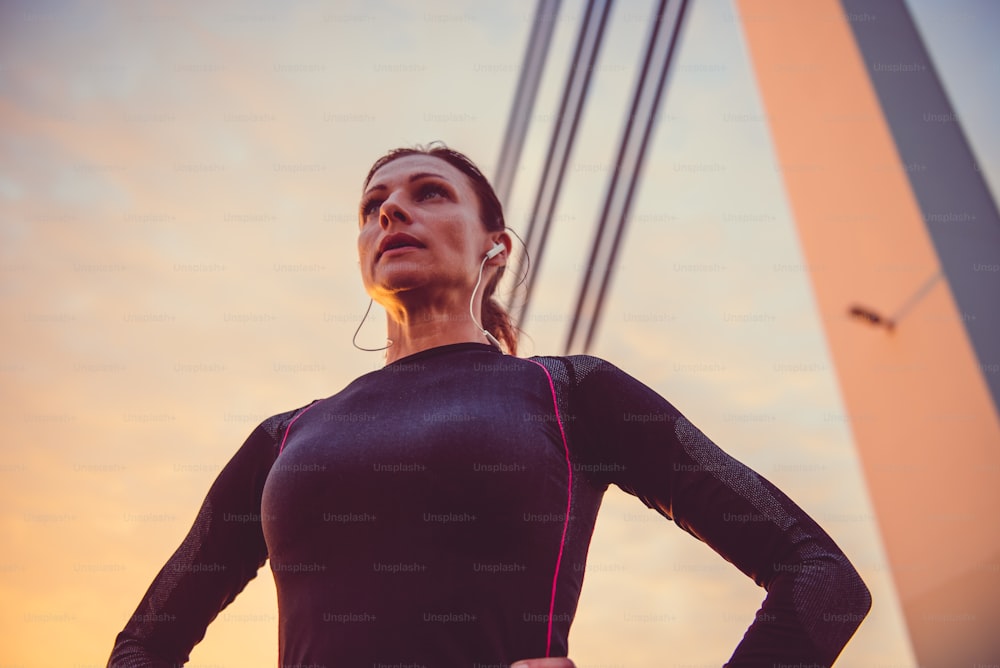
<point>496,250</point>
<point>490,254</point>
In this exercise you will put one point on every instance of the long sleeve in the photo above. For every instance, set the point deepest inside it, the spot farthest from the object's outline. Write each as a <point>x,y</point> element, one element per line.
<point>815,598</point>
<point>220,554</point>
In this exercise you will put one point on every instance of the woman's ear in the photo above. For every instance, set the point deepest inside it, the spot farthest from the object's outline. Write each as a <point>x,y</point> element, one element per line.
<point>502,238</point>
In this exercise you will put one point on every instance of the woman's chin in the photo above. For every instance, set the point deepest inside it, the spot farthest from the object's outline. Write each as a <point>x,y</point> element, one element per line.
<point>393,282</point>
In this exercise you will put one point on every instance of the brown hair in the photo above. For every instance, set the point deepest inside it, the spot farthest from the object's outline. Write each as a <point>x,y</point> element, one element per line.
<point>495,319</point>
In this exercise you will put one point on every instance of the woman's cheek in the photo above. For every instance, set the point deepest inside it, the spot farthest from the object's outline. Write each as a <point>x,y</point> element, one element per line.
<point>366,239</point>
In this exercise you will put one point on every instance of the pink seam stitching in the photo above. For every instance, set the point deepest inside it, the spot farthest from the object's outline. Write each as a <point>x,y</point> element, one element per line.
<point>569,500</point>
<point>281,448</point>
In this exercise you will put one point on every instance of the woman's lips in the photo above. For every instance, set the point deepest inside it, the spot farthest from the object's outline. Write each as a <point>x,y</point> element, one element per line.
<point>397,243</point>
<point>398,250</point>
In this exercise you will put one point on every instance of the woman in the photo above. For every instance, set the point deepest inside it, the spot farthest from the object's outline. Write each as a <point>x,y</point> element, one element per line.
<point>438,511</point>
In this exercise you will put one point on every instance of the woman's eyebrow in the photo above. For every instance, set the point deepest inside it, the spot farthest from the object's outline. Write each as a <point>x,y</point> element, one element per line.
<point>413,177</point>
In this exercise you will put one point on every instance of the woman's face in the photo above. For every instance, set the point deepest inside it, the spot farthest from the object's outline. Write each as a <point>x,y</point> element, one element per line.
<point>420,227</point>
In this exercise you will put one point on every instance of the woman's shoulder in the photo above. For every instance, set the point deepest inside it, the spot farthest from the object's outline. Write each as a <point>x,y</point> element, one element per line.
<point>276,425</point>
<point>575,369</point>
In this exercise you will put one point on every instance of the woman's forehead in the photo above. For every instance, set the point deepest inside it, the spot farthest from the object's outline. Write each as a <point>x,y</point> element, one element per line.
<point>407,166</point>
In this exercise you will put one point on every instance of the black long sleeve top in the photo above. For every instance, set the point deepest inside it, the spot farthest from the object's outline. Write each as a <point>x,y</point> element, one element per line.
<point>438,512</point>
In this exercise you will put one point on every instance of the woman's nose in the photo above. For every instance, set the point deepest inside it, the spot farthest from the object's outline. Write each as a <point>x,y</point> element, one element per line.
<point>391,211</point>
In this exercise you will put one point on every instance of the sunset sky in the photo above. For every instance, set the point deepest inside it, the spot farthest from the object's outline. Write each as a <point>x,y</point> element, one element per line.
<point>178,195</point>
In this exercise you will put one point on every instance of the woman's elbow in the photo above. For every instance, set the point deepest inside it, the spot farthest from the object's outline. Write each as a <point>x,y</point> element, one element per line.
<point>861,597</point>
<point>848,599</point>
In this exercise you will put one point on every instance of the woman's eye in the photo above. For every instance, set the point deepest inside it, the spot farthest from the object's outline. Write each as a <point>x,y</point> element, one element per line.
<point>370,207</point>
<point>430,190</point>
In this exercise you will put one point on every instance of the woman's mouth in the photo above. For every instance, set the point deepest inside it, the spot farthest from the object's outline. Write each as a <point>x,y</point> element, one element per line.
<point>396,244</point>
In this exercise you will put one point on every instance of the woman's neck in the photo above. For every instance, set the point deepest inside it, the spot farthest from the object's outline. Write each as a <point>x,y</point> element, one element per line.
<point>413,330</point>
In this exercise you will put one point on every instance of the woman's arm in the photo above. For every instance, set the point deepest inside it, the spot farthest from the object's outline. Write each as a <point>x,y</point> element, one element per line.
<point>220,554</point>
<point>815,598</point>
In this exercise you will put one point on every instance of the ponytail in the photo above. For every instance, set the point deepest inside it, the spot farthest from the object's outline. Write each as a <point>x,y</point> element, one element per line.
<point>498,323</point>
